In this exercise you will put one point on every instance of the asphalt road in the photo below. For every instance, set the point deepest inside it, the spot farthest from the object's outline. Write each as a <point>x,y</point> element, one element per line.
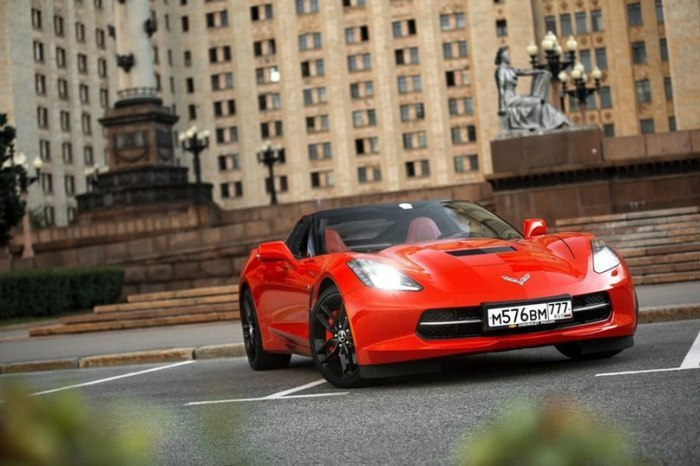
<point>416,420</point>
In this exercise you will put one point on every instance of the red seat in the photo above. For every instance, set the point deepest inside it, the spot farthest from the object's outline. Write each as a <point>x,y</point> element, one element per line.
<point>334,243</point>
<point>422,229</point>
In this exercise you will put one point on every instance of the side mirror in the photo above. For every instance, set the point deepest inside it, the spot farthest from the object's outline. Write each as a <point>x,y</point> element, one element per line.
<point>275,251</point>
<point>534,227</point>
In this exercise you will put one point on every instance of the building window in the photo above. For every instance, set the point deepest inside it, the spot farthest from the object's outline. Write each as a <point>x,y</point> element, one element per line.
<point>269,101</point>
<point>267,74</point>
<point>581,23</point>
<point>38,51</point>
<point>104,98</point>
<point>605,97</point>
<point>312,68</point>
<point>322,179</point>
<point>100,38</point>
<point>585,58</point>
<point>672,123</point>
<point>80,32</point>
<point>189,84</point>
<point>367,146</point>
<point>403,28</point>
<point>639,53</point>
<point>369,174</point>
<point>187,57</point>
<point>407,84</point>
<point>355,35</point>
<point>217,19</point>
<point>412,112</point>
<point>461,106</point>
<point>69,184</point>
<point>668,89</point>
<point>565,22</point>
<point>36,19</point>
<point>317,124</point>
<point>457,78</point>
<point>65,120</point>
<point>310,41</point>
<point>192,111</point>
<point>457,49</point>
<point>659,11</point>
<point>354,3</point>
<point>227,135</point>
<point>634,14</point>
<point>220,54</point>
<point>261,12</point>
<point>67,152</point>
<point>550,23</point>
<point>185,23</point>
<point>597,21</point>
<point>647,126</point>
<point>453,21</point>
<point>501,28</point>
<point>102,67</point>
<point>271,129</point>
<point>58,26</point>
<point>86,123</point>
<point>601,58</point>
<point>643,91</point>
<point>229,162</point>
<point>234,189</point>
<point>314,96</point>
<point>88,155</point>
<point>42,117</point>
<point>224,108</point>
<point>466,163</point>
<point>663,46</point>
<point>407,56</point>
<point>364,118</point>
<point>47,183</point>
<point>359,62</point>
<point>417,169</point>
<point>45,150</point>
<point>263,48</point>
<point>40,84</point>
<point>82,63</point>
<point>463,134</point>
<point>415,140</point>
<point>609,130</point>
<point>305,7</point>
<point>320,150</point>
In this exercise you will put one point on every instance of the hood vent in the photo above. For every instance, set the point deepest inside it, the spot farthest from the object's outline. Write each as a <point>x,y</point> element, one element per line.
<point>479,251</point>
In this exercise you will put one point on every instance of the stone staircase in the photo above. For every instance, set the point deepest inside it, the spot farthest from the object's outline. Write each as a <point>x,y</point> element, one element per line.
<point>659,246</point>
<point>152,310</point>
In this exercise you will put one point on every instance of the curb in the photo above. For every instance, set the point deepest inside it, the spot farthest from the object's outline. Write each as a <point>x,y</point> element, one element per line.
<point>646,316</point>
<point>139,357</point>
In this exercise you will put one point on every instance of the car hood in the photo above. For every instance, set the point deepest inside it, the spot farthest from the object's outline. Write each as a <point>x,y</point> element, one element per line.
<point>486,264</point>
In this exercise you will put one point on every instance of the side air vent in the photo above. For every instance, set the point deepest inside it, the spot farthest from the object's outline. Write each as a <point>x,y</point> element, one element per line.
<point>476,252</point>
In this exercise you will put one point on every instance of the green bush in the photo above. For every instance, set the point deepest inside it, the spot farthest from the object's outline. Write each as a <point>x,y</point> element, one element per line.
<point>57,291</point>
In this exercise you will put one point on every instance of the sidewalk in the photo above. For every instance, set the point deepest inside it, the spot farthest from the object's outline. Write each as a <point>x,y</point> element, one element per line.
<point>160,344</point>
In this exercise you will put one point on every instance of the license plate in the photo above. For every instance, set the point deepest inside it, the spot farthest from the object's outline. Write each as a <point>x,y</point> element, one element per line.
<point>516,315</point>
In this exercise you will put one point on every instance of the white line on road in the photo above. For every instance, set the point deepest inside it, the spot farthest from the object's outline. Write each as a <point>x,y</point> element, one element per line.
<point>283,395</point>
<point>691,361</point>
<point>109,379</point>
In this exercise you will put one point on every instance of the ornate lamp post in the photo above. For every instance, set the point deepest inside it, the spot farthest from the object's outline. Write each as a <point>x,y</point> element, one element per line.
<point>269,155</point>
<point>580,91</point>
<point>24,182</point>
<point>195,142</point>
<point>553,54</point>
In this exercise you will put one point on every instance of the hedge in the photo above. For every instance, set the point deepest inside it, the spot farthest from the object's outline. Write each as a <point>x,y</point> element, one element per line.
<point>50,292</point>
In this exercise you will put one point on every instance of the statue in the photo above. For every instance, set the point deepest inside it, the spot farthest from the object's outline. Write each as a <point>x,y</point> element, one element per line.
<point>525,112</point>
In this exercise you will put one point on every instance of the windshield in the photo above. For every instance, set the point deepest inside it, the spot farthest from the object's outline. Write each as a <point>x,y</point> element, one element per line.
<point>373,228</point>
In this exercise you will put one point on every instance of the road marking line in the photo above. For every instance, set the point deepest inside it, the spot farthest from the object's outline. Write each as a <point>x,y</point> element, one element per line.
<point>109,379</point>
<point>283,395</point>
<point>691,361</point>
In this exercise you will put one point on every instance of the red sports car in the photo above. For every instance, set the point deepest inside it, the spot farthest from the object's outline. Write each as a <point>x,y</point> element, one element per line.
<point>385,290</point>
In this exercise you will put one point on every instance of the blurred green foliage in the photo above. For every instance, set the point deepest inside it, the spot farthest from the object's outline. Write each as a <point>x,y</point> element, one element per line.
<point>57,291</point>
<point>555,433</point>
<point>11,206</point>
<point>61,430</point>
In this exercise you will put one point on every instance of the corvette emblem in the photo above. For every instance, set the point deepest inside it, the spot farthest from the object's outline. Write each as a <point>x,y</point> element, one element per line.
<point>519,281</point>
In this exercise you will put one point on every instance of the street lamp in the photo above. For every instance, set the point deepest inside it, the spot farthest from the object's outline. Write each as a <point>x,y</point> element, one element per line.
<point>92,175</point>
<point>195,142</point>
<point>553,54</point>
<point>580,91</point>
<point>269,155</point>
<point>24,182</point>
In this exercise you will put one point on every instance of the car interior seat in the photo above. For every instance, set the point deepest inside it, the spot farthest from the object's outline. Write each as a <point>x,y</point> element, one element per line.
<point>334,243</point>
<point>422,229</point>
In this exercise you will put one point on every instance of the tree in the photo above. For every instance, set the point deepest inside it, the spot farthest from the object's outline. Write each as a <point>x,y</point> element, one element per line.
<point>11,206</point>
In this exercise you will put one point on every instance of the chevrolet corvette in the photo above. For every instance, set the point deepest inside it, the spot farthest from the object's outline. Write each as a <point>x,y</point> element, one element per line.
<point>386,290</point>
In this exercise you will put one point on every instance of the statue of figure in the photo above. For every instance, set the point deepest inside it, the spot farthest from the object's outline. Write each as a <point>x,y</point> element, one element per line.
<point>525,112</point>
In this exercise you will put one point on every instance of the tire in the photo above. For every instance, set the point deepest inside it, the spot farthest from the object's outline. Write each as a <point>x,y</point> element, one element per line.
<point>573,351</point>
<point>331,342</point>
<point>258,358</point>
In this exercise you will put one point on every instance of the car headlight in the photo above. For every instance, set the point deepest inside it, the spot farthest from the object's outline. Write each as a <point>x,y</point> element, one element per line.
<point>382,276</point>
<point>604,258</point>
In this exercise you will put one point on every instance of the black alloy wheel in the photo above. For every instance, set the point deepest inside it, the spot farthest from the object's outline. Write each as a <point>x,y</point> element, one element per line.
<point>258,358</point>
<point>331,342</point>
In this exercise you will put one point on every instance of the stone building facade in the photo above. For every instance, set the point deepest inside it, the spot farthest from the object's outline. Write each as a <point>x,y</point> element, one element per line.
<point>365,96</point>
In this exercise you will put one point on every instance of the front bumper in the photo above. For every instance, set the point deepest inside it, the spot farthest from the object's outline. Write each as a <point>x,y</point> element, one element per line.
<point>384,325</point>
